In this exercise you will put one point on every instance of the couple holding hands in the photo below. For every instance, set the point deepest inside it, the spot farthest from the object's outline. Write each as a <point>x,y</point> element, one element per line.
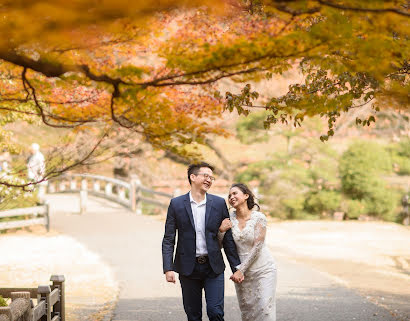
<point>205,226</point>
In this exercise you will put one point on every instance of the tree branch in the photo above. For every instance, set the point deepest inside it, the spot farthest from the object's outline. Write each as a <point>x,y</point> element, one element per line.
<point>56,69</point>
<point>55,173</point>
<point>281,6</point>
<point>55,117</point>
<point>41,110</point>
<point>372,10</point>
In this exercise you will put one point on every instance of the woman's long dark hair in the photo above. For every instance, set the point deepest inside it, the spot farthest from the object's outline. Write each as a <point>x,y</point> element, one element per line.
<point>251,199</point>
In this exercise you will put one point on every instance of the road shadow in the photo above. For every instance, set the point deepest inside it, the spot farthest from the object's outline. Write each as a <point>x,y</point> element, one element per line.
<point>317,304</point>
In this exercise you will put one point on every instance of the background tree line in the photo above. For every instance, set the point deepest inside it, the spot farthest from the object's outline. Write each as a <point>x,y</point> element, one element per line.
<point>313,180</point>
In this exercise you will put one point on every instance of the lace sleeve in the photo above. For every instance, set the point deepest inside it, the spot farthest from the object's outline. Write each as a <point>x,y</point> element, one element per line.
<point>259,239</point>
<point>221,236</point>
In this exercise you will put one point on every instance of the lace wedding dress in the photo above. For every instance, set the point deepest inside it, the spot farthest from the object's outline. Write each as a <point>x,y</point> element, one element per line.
<point>256,294</point>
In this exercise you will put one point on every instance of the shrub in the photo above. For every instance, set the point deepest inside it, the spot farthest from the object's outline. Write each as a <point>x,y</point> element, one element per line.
<point>3,302</point>
<point>323,201</point>
<point>401,164</point>
<point>360,167</point>
<point>354,208</point>
<point>401,157</point>
<point>283,189</point>
<point>382,202</point>
<point>403,148</point>
<point>293,207</point>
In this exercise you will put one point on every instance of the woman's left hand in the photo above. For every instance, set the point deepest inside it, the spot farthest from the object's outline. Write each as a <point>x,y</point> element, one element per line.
<point>225,225</point>
<point>237,277</point>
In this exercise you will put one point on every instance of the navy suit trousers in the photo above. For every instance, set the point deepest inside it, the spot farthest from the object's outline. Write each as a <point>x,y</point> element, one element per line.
<point>203,277</point>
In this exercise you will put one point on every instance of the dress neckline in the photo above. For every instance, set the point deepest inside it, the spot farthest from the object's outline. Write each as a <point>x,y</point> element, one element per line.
<point>246,223</point>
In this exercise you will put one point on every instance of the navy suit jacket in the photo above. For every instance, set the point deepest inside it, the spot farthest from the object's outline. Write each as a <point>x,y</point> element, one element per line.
<point>179,218</point>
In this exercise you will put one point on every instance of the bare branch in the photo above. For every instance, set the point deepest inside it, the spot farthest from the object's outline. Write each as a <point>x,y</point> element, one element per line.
<point>54,173</point>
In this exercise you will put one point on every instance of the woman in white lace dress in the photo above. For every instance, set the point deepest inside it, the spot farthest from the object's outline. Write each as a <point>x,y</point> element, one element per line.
<point>257,287</point>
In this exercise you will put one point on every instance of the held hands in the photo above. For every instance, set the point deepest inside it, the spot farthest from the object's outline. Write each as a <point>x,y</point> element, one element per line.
<point>170,276</point>
<point>225,225</point>
<point>237,277</point>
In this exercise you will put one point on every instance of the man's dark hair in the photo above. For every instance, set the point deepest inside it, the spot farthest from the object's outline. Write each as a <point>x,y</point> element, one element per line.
<point>194,169</point>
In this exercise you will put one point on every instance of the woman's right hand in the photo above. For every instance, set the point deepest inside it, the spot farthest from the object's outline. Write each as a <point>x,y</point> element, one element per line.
<point>225,225</point>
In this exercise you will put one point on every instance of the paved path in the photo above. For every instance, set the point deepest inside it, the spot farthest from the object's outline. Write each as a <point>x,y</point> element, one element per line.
<point>131,244</point>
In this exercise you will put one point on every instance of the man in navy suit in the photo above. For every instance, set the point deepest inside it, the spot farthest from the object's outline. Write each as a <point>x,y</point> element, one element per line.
<point>197,217</point>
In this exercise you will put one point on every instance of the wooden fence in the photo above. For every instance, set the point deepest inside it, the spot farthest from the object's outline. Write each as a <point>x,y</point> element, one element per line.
<point>50,302</point>
<point>130,194</point>
<point>39,215</point>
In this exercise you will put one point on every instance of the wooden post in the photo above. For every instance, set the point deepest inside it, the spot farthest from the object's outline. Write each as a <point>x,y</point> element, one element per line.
<point>132,193</point>
<point>121,193</point>
<point>108,189</point>
<point>44,291</point>
<point>135,194</point>
<point>73,184</point>
<point>84,184</point>
<point>59,307</point>
<point>19,295</point>
<point>51,187</point>
<point>5,314</point>
<point>138,209</point>
<point>47,216</point>
<point>96,185</point>
<point>83,196</point>
<point>61,185</point>
<point>24,305</point>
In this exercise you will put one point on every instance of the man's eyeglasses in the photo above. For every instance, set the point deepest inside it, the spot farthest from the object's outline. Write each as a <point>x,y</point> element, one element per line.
<point>206,176</point>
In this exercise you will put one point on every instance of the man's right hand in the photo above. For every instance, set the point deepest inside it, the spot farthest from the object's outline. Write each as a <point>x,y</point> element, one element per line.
<point>237,277</point>
<point>170,276</point>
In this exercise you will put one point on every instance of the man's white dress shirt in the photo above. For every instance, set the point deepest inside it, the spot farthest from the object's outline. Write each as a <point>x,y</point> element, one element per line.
<point>198,212</point>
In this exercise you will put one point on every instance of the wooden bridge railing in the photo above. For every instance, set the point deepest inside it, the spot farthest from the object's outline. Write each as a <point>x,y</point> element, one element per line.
<point>50,302</point>
<point>130,194</point>
<point>40,215</point>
